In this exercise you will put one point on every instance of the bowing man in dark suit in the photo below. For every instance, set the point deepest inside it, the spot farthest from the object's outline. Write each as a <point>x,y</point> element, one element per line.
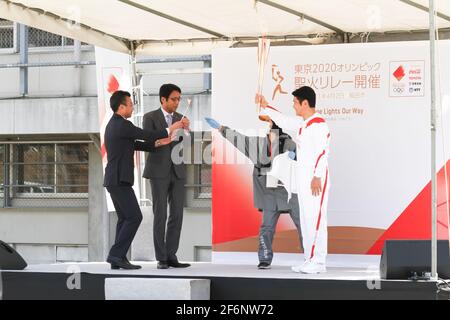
<point>121,141</point>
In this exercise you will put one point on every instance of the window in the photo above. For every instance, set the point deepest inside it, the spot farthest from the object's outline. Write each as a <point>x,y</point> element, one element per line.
<point>42,39</point>
<point>44,171</point>
<point>198,180</point>
<point>6,34</point>
<point>50,168</point>
<point>72,168</point>
<point>203,180</point>
<point>202,169</point>
<point>36,38</point>
<point>33,169</point>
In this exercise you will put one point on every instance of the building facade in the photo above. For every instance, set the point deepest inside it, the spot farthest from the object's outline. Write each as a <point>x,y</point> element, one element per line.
<point>51,195</point>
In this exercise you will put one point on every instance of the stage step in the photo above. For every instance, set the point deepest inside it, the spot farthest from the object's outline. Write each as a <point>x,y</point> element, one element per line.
<point>157,289</point>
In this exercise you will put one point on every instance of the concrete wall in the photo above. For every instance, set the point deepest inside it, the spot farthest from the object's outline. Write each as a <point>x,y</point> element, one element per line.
<point>38,234</point>
<point>187,82</point>
<point>195,241</point>
<point>49,116</point>
<point>45,81</point>
<point>44,226</point>
<point>63,80</point>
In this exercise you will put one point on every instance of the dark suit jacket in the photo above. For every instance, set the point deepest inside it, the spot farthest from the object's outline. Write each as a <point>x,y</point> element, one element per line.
<point>120,143</point>
<point>159,162</point>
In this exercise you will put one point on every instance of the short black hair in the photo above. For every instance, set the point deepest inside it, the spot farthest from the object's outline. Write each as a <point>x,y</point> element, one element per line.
<point>276,127</point>
<point>118,98</point>
<point>166,89</point>
<point>306,93</point>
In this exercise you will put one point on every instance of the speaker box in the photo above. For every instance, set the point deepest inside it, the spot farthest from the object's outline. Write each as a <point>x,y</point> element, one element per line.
<point>10,259</point>
<point>401,258</point>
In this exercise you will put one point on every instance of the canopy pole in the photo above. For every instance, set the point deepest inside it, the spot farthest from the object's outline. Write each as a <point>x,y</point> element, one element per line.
<point>138,114</point>
<point>23,46</point>
<point>434,275</point>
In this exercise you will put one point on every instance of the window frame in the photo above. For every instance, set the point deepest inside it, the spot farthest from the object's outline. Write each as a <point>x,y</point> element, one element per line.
<point>194,198</point>
<point>198,195</point>
<point>14,196</point>
<point>41,49</point>
<point>60,48</point>
<point>15,47</point>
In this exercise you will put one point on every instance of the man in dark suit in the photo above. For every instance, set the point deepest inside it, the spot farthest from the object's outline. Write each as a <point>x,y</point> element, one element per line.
<point>167,179</point>
<point>121,142</point>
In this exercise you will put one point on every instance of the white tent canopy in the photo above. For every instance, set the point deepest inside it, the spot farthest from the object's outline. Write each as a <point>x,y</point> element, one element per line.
<point>157,27</point>
<point>162,27</point>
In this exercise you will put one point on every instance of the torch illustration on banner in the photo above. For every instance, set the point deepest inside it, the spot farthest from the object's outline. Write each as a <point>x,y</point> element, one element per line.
<point>263,55</point>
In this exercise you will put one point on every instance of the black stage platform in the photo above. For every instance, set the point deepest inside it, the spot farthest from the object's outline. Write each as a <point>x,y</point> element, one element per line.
<point>228,282</point>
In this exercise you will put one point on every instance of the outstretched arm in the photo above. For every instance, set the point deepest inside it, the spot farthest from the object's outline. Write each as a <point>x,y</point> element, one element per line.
<point>130,131</point>
<point>245,144</point>
<point>248,145</point>
<point>291,125</point>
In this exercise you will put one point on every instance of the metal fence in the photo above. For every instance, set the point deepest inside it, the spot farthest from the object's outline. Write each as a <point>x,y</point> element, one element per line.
<point>44,175</point>
<point>199,172</point>
<point>40,38</point>
<point>204,190</point>
<point>36,38</point>
<point>203,171</point>
<point>6,34</point>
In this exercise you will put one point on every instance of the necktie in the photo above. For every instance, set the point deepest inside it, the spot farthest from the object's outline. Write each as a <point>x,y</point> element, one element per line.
<point>169,120</point>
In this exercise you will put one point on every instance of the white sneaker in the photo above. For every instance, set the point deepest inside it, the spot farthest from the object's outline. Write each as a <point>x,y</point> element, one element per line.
<point>313,268</point>
<point>299,267</point>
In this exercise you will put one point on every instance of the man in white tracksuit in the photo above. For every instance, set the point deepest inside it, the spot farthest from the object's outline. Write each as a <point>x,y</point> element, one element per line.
<point>312,136</point>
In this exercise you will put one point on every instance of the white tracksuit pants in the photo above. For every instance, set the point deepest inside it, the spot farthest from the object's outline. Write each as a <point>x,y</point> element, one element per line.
<point>313,216</point>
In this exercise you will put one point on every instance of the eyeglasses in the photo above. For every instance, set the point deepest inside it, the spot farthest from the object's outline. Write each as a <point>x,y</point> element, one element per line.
<point>175,99</point>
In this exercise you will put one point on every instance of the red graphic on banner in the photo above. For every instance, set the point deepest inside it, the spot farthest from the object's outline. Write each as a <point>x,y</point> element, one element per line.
<point>113,84</point>
<point>415,221</point>
<point>234,216</point>
<point>399,74</point>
